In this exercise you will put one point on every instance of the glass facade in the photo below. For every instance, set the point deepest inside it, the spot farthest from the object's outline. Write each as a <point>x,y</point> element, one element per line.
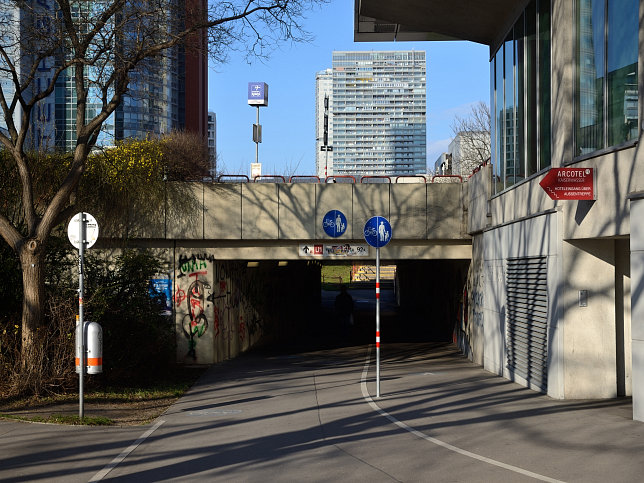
<point>379,113</point>
<point>520,96</point>
<point>606,100</point>
<point>153,103</point>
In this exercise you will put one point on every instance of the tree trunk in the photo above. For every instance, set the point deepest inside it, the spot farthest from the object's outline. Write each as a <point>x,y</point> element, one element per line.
<point>33,284</point>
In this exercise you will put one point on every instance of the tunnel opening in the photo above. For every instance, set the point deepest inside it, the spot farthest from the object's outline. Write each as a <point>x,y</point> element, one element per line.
<point>420,301</point>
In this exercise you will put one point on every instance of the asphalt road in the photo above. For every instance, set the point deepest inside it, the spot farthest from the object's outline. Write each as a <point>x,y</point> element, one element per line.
<point>313,416</point>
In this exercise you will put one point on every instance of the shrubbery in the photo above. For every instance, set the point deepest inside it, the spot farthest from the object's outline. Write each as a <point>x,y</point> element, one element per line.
<point>138,342</point>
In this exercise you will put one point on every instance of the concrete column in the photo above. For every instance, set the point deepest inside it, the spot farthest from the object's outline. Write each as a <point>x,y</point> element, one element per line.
<point>637,303</point>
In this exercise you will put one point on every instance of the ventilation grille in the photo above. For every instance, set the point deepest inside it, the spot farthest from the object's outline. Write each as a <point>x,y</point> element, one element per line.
<point>527,319</point>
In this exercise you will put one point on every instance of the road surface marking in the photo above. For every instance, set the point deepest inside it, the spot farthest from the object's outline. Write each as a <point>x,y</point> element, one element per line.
<point>114,463</point>
<point>455,449</point>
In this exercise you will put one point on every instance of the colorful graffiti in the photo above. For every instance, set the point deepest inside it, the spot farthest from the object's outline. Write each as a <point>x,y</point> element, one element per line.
<point>192,301</point>
<point>214,301</point>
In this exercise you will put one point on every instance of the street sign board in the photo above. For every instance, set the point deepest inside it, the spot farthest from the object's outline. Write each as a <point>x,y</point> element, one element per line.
<point>334,223</point>
<point>339,250</point>
<point>377,231</point>
<point>570,184</point>
<point>257,94</point>
<point>91,230</point>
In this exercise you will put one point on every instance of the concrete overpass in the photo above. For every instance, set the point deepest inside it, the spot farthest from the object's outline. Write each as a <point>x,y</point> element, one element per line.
<point>238,271</point>
<point>270,221</point>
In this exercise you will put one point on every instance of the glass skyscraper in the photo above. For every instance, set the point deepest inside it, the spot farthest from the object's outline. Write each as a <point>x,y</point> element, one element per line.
<point>166,92</point>
<point>378,113</point>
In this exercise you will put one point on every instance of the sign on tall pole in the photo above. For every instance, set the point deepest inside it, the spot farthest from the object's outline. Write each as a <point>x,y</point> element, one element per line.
<point>82,232</point>
<point>377,233</point>
<point>258,97</point>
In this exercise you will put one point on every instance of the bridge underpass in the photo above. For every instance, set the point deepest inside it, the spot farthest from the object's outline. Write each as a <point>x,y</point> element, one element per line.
<point>244,262</point>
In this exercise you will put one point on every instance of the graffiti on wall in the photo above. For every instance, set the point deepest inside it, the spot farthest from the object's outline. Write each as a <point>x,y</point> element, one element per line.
<point>216,315</point>
<point>193,289</point>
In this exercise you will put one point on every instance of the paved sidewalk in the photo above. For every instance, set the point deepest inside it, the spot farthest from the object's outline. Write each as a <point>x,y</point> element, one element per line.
<point>314,417</point>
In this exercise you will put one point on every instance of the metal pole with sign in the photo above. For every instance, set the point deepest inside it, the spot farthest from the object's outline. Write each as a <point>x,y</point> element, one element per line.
<point>377,233</point>
<point>258,97</point>
<point>82,232</point>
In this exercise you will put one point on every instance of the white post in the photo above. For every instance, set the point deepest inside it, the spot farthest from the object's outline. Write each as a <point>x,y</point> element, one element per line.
<point>378,322</point>
<point>81,320</point>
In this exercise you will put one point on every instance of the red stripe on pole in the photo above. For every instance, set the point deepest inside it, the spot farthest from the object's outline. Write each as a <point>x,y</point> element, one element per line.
<point>377,285</point>
<point>377,295</point>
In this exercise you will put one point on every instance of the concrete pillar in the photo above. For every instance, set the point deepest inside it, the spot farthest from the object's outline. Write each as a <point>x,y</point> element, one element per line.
<point>637,303</point>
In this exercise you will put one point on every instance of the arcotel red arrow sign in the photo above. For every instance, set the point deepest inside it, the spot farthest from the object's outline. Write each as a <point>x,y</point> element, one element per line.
<point>569,183</point>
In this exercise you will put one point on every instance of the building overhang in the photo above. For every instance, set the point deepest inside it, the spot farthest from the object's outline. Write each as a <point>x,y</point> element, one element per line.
<point>481,21</point>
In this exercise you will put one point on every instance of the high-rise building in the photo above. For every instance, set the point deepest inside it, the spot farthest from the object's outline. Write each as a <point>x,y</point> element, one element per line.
<point>378,113</point>
<point>166,92</point>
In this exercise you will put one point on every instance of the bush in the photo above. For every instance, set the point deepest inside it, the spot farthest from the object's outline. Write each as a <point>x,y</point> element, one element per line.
<point>138,342</point>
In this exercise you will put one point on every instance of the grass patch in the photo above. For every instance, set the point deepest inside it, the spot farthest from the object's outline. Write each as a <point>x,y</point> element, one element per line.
<point>334,275</point>
<point>128,399</point>
<point>62,419</point>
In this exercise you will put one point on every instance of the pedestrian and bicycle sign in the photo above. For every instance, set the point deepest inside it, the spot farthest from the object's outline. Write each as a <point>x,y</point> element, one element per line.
<point>377,231</point>
<point>334,223</point>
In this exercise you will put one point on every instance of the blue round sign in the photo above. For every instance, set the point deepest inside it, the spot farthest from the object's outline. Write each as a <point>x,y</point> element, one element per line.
<point>334,223</point>
<point>377,231</point>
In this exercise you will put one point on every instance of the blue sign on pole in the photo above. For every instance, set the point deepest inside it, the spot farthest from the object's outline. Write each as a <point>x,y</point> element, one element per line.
<point>334,223</point>
<point>258,94</point>
<point>377,231</point>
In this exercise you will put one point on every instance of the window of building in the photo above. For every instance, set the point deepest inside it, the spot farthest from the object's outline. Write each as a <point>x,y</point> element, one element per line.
<point>606,98</point>
<point>520,98</point>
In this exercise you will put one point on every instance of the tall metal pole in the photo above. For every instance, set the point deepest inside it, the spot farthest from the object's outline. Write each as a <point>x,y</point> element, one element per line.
<point>81,320</point>
<point>257,139</point>
<point>377,321</point>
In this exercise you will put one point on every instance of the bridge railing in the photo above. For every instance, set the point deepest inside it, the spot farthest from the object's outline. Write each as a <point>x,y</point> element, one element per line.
<point>233,178</point>
<point>269,178</point>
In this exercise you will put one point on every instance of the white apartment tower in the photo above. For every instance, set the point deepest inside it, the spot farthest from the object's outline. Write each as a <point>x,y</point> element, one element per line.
<point>377,113</point>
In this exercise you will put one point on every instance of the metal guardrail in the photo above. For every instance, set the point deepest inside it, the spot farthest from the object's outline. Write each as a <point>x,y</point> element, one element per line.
<point>225,176</point>
<point>266,178</point>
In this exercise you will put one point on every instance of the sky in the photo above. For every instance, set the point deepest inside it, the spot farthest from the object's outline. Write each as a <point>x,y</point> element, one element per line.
<point>457,77</point>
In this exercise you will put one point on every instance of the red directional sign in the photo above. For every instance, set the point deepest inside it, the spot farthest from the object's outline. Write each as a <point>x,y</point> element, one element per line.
<point>570,183</point>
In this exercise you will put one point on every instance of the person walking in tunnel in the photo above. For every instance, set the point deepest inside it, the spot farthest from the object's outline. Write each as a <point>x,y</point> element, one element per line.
<point>344,310</point>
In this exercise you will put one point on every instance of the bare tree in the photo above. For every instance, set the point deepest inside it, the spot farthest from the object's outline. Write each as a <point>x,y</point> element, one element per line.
<point>472,134</point>
<point>101,48</point>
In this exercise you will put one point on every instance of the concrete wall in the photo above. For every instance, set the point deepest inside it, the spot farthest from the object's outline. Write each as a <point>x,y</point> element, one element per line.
<point>223,308</point>
<point>284,211</point>
<point>216,318</point>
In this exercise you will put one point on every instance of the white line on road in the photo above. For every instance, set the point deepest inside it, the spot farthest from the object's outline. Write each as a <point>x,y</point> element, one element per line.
<point>455,449</point>
<point>112,464</point>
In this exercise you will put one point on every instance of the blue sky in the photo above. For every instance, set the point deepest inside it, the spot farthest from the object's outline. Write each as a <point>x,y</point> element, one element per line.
<point>457,77</point>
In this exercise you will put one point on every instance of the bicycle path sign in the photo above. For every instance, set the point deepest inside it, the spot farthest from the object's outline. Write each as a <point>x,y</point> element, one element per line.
<point>377,231</point>
<point>334,223</point>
